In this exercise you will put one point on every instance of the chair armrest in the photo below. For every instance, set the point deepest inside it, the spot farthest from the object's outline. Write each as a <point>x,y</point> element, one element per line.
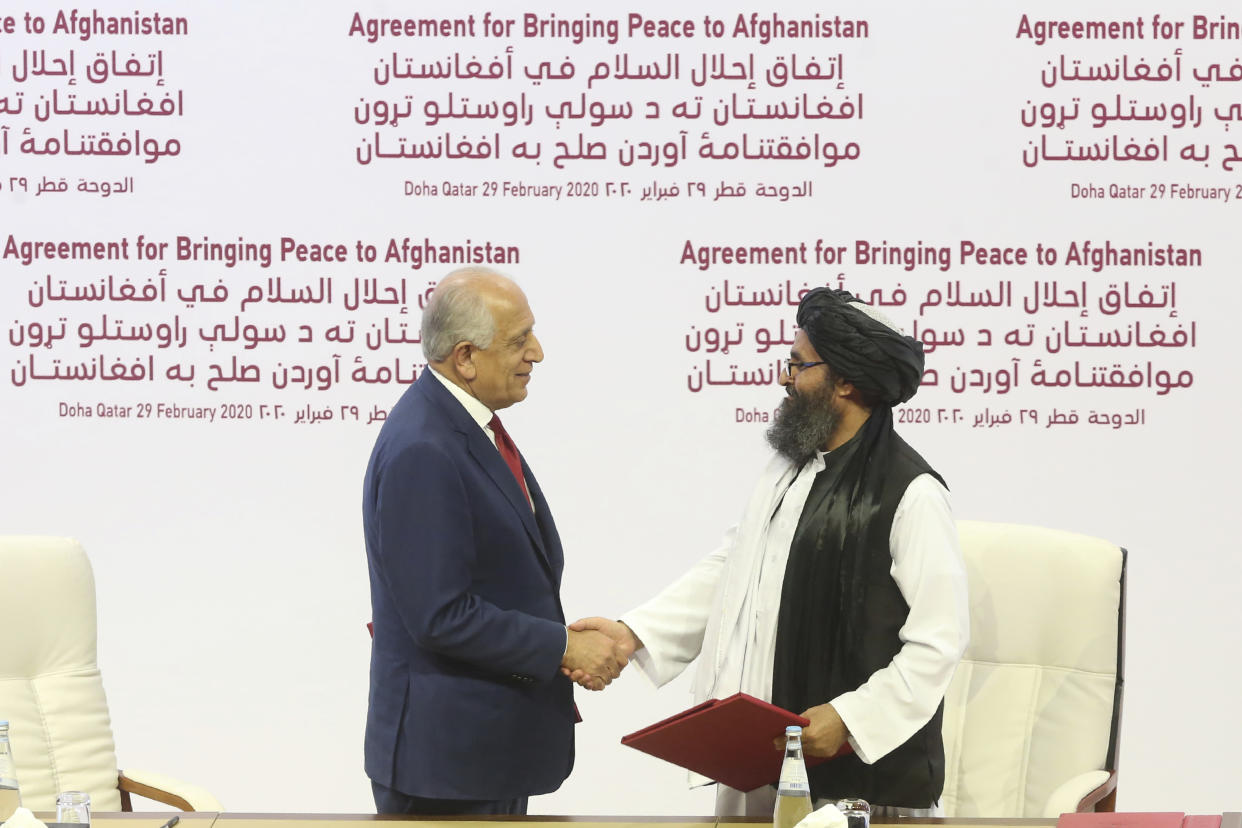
<point>1080,793</point>
<point>165,789</point>
<point>1103,798</point>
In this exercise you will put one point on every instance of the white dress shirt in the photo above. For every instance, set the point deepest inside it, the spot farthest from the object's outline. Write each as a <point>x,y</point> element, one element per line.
<point>478,412</point>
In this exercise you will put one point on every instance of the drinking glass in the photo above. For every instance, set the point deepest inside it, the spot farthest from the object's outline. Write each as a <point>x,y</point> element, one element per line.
<point>73,806</point>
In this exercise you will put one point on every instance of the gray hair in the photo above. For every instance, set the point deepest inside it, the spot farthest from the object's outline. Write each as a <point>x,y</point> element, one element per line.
<point>456,312</point>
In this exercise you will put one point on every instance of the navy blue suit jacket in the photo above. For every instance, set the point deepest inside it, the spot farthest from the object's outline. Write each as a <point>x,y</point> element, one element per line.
<point>467,700</point>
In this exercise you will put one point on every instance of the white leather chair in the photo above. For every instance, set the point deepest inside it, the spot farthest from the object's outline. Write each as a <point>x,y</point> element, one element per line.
<point>50,688</point>
<point>1032,716</point>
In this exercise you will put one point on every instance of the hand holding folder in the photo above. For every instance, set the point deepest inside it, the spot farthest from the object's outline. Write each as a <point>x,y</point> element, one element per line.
<point>729,740</point>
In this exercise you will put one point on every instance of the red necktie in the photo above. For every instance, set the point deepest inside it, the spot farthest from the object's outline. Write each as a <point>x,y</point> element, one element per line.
<point>509,452</point>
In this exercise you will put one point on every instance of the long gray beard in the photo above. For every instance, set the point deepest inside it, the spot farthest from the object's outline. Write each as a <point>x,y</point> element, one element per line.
<point>803,425</point>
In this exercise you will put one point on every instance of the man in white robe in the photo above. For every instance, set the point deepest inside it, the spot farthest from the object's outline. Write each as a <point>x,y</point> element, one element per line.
<point>725,610</point>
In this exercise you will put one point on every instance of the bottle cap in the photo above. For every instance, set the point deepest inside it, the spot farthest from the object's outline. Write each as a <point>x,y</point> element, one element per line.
<point>793,730</point>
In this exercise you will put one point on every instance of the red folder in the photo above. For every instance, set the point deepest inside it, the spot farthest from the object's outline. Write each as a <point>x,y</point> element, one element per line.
<point>1164,819</point>
<point>1202,821</point>
<point>729,740</point>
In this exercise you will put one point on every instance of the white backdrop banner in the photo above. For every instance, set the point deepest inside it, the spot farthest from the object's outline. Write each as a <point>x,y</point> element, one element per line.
<point>222,220</point>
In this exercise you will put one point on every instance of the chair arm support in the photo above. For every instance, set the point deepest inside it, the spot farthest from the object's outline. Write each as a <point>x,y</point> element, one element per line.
<point>1079,793</point>
<point>1103,798</point>
<point>168,790</point>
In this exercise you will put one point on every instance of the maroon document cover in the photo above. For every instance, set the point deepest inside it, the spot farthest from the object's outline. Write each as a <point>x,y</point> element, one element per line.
<point>1121,820</point>
<point>1202,821</point>
<point>729,740</point>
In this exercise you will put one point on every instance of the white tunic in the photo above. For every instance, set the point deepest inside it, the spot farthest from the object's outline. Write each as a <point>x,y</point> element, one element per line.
<point>726,608</point>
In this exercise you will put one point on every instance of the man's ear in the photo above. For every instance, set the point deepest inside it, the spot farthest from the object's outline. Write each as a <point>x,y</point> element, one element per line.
<point>846,390</point>
<point>462,359</point>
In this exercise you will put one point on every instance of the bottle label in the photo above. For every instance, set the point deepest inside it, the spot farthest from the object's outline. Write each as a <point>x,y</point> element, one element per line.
<point>793,778</point>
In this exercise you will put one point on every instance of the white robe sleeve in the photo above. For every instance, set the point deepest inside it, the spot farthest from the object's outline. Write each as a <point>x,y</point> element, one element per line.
<point>672,624</point>
<point>901,697</point>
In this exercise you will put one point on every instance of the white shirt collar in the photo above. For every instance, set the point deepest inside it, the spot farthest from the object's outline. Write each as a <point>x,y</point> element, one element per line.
<point>478,412</point>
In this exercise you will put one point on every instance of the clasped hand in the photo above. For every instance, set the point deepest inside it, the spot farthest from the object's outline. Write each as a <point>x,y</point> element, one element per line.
<point>824,736</point>
<point>599,649</point>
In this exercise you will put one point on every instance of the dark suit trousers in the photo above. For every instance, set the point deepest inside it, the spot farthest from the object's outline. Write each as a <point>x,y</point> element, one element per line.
<point>388,801</point>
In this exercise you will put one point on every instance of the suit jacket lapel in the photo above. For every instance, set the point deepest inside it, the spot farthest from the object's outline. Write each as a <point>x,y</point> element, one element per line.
<point>487,456</point>
<point>550,547</point>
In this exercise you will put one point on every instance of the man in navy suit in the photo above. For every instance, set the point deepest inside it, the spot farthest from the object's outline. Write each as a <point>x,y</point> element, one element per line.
<point>470,709</point>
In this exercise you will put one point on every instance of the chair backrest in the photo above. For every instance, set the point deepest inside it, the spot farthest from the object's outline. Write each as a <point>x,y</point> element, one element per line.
<point>50,688</point>
<point>1036,699</point>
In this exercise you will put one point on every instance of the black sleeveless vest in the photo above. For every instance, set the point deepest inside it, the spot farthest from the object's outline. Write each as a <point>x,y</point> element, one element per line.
<point>912,775</point>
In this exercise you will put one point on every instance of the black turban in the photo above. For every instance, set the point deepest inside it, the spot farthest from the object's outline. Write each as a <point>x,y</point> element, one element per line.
<point>881,362</point>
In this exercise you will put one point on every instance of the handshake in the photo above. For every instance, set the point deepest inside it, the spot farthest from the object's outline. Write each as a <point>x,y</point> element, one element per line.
<point>598,651</point>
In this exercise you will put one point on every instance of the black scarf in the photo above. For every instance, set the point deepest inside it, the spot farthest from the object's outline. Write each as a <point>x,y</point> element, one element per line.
<point>825,587</point>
